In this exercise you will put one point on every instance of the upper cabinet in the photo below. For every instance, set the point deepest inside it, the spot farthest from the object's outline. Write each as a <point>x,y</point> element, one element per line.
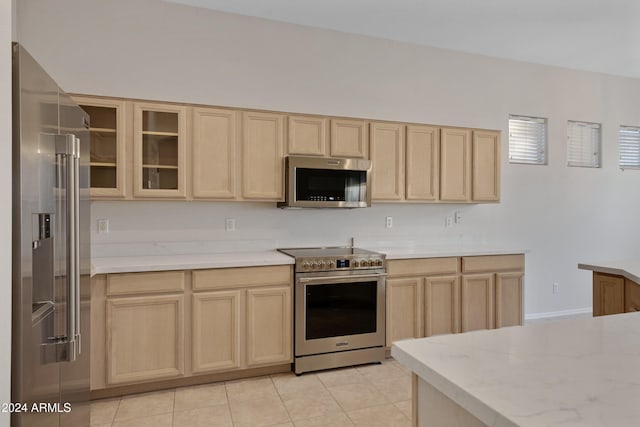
<point>486,166</point>
<point>422,163</point>
<point>455,165</point>
<point>307,136</point>
<point>153,150</point>
<point>215,136</point>
<point>159,150</point>
<point>262,156</point>
<point>349,138</point>
<point>108,156</point>
<point>387,158</point>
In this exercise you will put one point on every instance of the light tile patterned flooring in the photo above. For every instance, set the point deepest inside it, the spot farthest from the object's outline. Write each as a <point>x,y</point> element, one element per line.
<point>369,395</point>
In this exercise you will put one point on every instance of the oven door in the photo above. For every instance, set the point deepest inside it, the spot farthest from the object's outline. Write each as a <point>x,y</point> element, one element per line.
<point>338,311</point>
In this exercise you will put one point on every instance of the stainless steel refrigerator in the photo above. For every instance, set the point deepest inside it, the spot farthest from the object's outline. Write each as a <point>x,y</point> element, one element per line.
<point>51,264</point>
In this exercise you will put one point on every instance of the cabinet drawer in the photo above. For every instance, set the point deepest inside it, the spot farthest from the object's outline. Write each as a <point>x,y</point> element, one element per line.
<point>145,283</point>
<point>242,276</point>
<point>492,263</point>
<point>422,266</point>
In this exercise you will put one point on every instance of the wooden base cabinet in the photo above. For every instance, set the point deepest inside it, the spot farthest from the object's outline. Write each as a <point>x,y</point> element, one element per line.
<point>432,296</point>
<point>173,325</point>
<point>608,294</point>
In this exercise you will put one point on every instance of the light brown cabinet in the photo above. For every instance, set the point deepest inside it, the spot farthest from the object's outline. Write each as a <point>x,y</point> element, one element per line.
<point>262,156</point>
<point>432,296</point>
<point>307,135</point>
<point>172,325</point>
<point>387,159</point>
<point>159,150</point>
<point>144,334</point>
<point>214,159</point>
<point>108,157</point>
<point>263,332</point>
<point>349,138</point>
<point>486,166</point>
<point>422,163</point>
<point>455,165</point>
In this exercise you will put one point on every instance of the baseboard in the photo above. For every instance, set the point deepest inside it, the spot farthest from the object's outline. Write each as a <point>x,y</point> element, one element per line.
<point>561,313</point>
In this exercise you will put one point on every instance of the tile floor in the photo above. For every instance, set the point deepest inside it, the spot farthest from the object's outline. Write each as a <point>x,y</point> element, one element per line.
<point>370,395</point>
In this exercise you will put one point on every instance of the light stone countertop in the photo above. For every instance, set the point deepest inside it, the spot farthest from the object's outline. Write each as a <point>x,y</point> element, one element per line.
<point>626,268</point>
<point>130,264</point>
<point>577,372</point>
<point>437,251</point>
<point>141,263</point>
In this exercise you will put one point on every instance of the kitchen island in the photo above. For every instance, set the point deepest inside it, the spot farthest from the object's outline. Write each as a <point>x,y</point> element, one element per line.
<point>577,372</point>
<point>616,286</point>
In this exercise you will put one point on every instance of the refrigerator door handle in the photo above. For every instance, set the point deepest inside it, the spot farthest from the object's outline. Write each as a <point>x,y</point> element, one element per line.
<point>67,347</point>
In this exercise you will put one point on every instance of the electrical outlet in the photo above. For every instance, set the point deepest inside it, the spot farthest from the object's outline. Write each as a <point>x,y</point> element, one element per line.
<point>556,287</point>
<point>103,226</point>
<point>388,222</point>
<point>457,217</point>
<point>230,224</point>
<point>448,221</point>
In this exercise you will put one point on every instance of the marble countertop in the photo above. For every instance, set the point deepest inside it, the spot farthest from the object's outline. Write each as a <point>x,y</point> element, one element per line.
<point>132,264</point>
<point>437,251</point>
<point>577,372</point>
<point>626,268</point>
<point>135,263</point>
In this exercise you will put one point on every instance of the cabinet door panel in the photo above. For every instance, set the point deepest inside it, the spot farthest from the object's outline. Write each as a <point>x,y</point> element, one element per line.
<point>455,165</point>
<point>107,156</point>
<point>631,296</point>
<point>422,163</point>
<point>269,328</point>
<point>509,299</point>
<point>262,156</point>
<point>159,157</point>
<point>608,294</point>
<point>214,158</point>
<point>477,302</point>
<point>486,166</point>
<point>349,138</point>
<point>216,331</point>
<point>404,309</point>
<point>387,158</point>
<point>307,136</point>
<point>441,305</point>
<point>145,338</point>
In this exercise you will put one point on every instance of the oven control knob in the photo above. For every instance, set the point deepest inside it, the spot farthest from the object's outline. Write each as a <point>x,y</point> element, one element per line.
<point>305,265</point>
<point>364,263</point>
<point>379,263</point>
<point>314,265</point>
<point>356,264</point>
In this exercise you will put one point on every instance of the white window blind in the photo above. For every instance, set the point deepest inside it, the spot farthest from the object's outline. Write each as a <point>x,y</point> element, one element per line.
<point>527,140</point>
<point>629,142</point>
<point>583,144</point>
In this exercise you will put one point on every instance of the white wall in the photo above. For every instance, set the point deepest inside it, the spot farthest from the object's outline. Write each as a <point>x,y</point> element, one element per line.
<point>154,50</point>
<point>5,212</point>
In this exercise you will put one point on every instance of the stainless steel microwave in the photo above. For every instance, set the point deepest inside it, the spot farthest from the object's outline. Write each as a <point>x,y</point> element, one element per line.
<point>321,182</point>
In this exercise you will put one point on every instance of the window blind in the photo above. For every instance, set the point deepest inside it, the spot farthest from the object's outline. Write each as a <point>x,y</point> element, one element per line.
<point>527,140</point>
<point>629,142</point>
<point>583,144</point>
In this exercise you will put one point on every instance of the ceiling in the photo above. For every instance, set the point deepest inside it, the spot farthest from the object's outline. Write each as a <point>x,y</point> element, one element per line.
<point>594,35</point>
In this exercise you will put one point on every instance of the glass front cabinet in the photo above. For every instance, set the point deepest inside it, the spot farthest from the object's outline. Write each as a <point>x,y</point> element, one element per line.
<point>159,150</point>
<point>108,154</point>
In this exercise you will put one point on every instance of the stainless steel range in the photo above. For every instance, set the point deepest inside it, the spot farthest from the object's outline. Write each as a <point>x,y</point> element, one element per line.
<point>339,307</point>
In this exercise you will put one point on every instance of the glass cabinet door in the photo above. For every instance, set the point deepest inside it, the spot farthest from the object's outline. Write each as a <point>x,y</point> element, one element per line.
<point>159,156</point>
<point>107,157</point>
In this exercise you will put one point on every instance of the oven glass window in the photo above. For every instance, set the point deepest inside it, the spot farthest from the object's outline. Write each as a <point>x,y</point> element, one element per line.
<point>335,310</point>
<point>329,185</point>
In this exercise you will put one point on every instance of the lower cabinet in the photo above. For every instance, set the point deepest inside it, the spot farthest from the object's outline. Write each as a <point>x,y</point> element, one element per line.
<point>162,325</point>
<point>610,294</point>
<point>449,295</point>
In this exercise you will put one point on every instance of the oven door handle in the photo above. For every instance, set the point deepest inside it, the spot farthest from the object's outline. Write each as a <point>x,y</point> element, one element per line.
<point>341,278</point>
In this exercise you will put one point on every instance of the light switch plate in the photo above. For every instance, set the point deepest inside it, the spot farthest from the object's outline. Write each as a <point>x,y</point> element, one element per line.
<point>388,222</point>
<point>230,224</point>
<point>103,226</point>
